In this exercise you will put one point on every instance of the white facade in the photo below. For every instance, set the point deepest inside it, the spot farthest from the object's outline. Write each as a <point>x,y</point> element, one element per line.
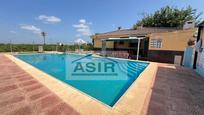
<point>200,50</point>
<point>200,63</point>
<point>189,24</point>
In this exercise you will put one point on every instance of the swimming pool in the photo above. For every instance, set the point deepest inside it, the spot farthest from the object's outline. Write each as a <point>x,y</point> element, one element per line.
<point>111,78</point>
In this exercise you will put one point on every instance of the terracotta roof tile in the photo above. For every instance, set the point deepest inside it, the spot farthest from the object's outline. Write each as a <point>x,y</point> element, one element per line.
<point>131,32</point>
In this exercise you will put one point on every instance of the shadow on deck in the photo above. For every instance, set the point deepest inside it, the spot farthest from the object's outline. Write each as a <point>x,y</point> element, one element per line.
<point>176,91</point>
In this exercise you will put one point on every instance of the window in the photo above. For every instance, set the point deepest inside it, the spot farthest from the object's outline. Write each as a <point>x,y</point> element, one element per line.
<point>189,22</point>
<point>132,44</point>
<point>156,43</point>
<point>121,42</point>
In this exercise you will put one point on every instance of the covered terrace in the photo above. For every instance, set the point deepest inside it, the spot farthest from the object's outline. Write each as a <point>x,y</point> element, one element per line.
<point>134,47</point>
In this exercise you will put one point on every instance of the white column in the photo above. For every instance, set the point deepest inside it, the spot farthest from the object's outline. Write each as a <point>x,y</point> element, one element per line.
<point>138,49</point>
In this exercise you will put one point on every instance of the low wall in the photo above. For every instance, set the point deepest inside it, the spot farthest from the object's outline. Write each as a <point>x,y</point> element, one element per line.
<point>163,55</point>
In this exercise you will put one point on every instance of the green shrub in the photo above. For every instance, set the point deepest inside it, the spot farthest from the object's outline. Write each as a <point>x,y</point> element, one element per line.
<point>48,47</point>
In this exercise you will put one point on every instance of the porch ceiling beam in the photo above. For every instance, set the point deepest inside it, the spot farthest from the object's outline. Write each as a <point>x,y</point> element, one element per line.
<point>123,39</point>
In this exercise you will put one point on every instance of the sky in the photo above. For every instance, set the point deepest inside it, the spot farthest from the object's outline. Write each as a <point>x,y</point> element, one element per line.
<point>68,21</point>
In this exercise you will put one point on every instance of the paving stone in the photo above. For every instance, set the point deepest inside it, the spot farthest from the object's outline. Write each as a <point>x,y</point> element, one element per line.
<point>11,101</point>
<point>7,88</point>
<point>179,92</point>
<point>62,109</point>
<point>33,87</point>
<point>157,109</point>
<point>27,83</point>
<point>21,94</point>
<point>48,101</point>
<point>39,95</point>
<point>22,111</point>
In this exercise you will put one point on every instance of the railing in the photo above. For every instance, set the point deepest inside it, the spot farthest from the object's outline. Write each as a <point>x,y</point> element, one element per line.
<point>80,51</point>
<point>118,54</point>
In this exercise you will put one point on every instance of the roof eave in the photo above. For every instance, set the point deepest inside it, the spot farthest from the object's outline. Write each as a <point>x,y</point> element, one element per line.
<point>201,24</point>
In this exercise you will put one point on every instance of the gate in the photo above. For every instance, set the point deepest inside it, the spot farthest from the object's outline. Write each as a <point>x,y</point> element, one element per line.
<point>188,57</point>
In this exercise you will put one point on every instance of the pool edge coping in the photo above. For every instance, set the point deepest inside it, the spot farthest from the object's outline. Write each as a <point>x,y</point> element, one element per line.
<point>128,102</point>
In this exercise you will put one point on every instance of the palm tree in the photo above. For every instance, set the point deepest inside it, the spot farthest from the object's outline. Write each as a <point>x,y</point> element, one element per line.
<point>43,35</point>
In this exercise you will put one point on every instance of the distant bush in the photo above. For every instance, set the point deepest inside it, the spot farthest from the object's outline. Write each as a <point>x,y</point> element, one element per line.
<point>47,47</point>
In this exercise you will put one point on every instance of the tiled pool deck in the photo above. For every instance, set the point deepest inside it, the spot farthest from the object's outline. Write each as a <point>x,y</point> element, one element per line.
<point>21,94</point>
<point>174,91</point>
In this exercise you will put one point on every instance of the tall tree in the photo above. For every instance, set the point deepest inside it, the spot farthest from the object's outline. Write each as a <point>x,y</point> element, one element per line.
<point>169,17</point>
<point>43,35</point>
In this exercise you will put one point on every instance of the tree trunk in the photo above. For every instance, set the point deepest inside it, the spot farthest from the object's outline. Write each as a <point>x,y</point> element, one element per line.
<point>44,39</point>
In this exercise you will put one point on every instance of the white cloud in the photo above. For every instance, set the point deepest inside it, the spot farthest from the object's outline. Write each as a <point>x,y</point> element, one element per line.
<point>49,19</point>
<point>31,28</point>
<point>82,21</point>
<point>83,28</point>
<point>80,41</point>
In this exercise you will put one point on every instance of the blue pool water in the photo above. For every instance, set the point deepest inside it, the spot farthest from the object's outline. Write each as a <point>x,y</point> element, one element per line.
<point>106,86</point>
